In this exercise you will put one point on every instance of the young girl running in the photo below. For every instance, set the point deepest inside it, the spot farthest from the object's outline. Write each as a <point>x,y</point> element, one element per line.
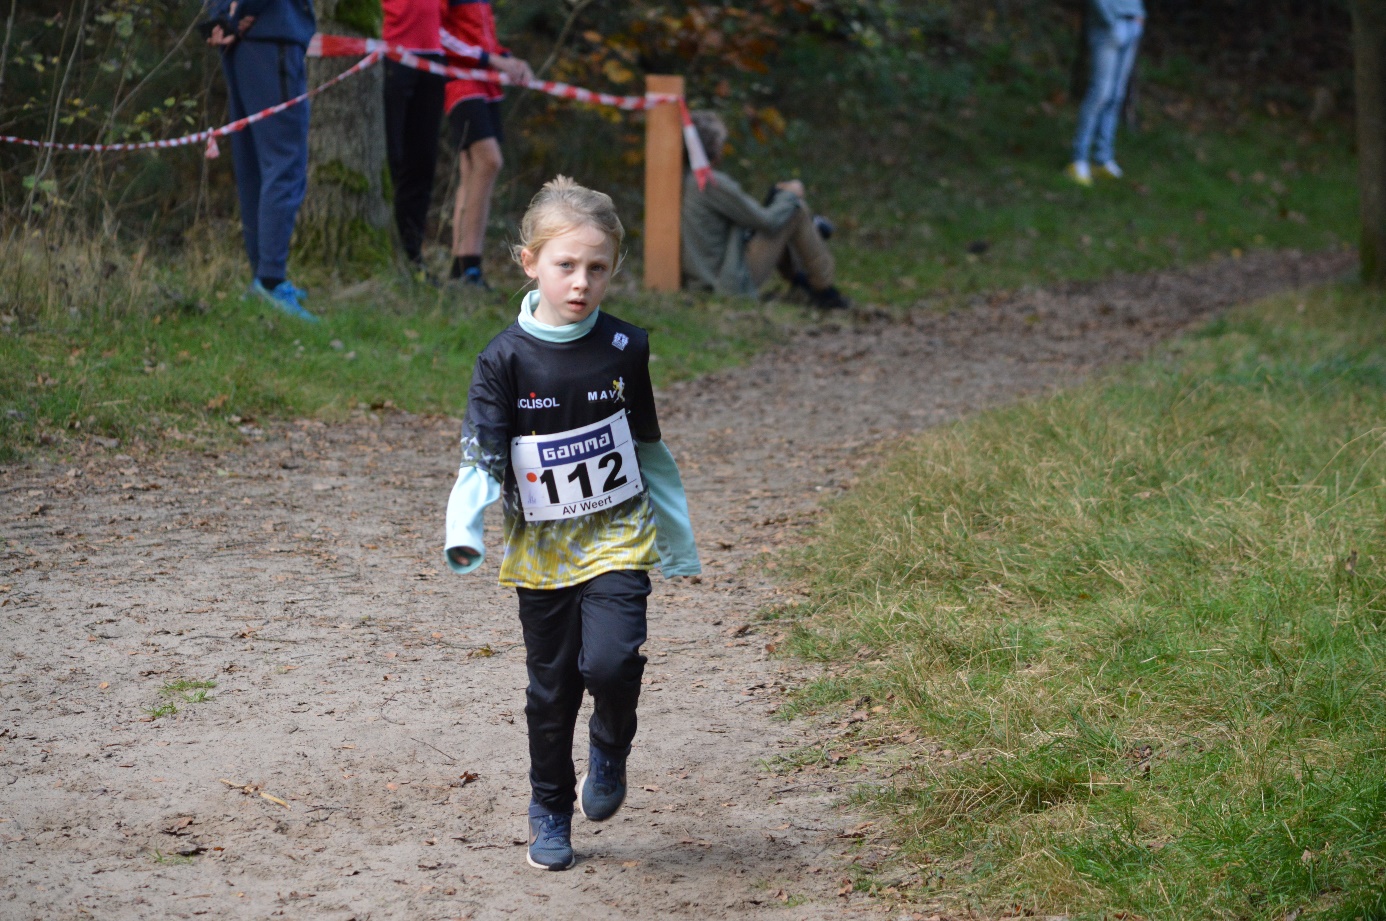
<point>561,426</point>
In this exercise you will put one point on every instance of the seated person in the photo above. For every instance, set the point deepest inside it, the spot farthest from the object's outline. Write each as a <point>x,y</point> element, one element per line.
<point>731,243</point>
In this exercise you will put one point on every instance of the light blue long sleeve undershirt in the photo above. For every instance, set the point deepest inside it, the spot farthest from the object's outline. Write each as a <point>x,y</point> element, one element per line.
<point>476,489</point>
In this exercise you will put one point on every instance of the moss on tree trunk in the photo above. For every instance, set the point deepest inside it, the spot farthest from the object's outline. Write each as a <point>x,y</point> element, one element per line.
<point>345,220</point>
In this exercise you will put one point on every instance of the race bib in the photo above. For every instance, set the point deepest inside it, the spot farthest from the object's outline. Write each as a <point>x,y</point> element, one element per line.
<point>578,472</point>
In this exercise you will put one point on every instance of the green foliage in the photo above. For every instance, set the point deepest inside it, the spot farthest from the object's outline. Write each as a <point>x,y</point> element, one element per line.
<point>1149,613</point>
<point>362,17</point>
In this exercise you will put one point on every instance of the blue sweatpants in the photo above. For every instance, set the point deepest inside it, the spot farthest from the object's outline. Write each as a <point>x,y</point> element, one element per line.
<point>271,156</point>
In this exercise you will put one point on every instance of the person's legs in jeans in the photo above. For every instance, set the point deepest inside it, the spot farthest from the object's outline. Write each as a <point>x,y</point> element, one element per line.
<point>1129,34</point>
<point>800,241</point>
<point>1105,52</point>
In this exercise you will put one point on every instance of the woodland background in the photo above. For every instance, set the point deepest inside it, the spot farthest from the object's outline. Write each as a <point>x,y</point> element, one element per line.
<point>818,78</point>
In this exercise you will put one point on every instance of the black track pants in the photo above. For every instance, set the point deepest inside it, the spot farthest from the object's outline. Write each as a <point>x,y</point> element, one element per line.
<point>585,636</point>
<point>413,117</point>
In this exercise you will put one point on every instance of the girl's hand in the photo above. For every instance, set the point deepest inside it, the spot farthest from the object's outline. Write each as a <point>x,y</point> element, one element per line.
<point>462,556</point>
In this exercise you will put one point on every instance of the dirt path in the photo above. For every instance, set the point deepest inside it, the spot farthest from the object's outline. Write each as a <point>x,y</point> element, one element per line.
<point>380,698</point>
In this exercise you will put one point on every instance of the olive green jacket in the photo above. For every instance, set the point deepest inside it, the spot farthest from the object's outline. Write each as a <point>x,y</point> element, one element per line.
<point>714,226</point>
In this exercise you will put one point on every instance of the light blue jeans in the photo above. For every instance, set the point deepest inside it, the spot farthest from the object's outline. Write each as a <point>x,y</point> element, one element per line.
<point>1113,50</point>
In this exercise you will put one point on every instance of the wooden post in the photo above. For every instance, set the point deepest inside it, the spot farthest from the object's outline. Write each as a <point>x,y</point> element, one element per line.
<point>663,186</point>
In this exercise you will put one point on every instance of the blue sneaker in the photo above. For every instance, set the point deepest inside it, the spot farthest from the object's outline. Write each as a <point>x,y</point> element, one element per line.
<point>285,297</point>
<point>602,789</point>
<point>470,278</point>
<point>550,839</point>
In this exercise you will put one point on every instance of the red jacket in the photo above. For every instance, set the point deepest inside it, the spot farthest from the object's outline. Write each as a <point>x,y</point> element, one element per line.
<point>413,24</point>
<point>470,22</point>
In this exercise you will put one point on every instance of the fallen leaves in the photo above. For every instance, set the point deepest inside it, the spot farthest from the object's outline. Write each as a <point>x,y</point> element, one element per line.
<point>252,789</point>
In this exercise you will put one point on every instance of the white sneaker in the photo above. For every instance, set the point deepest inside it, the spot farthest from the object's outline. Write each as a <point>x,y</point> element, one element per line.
<point>1109,170</point>
<point>1079,172</point>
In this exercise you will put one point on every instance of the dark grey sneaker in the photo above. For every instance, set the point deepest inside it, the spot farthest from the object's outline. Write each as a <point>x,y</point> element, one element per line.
<point>829,298</point>
<point>602,789</point>
<point>550,840</point>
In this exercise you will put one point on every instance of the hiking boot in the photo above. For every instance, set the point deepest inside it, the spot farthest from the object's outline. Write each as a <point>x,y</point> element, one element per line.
<point>1079,172</point>
<point>284,297</point>
<point>550,839</point>
<point>603,788</point>
<point>829,298</point>
<point>1108,170</point>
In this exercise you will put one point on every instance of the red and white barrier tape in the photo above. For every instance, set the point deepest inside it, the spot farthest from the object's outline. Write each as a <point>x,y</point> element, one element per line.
<point>210,135</point>
<point>374,49</point>
<point>331,46</point>
<point>339,45</point>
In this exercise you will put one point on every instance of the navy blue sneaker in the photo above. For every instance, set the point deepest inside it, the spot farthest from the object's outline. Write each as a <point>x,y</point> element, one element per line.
<point>550,839</point>
<point>285,297</point>
<point>602,789</point>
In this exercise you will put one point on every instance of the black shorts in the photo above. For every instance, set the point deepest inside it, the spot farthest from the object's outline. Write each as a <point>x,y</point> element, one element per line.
<point>474,120</point>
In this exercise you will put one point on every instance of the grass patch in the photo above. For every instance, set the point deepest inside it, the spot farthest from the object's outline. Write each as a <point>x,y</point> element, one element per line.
<point>176,355</point>
<point>168,708</point>
<point>1149,614</point>
<point>194,692</point>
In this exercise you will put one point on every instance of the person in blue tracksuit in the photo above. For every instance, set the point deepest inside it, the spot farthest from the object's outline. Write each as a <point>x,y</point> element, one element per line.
<point>263,48</point>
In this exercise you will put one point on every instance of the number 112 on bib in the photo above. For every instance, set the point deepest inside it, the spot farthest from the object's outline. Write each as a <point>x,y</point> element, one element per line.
<point>575,473</point>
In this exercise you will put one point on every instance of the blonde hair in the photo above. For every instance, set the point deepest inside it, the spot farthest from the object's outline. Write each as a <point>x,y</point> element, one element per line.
<point>562,205</point>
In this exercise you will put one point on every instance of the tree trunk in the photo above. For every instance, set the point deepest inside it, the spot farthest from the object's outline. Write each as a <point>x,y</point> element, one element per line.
<point>1369,52</point>
<point>345,218</point>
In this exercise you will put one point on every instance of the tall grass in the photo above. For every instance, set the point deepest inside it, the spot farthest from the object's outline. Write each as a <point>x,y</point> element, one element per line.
<point>1149,612</point>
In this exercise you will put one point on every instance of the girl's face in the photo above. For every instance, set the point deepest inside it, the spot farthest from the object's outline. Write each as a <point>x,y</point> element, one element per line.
<point>573,270</point>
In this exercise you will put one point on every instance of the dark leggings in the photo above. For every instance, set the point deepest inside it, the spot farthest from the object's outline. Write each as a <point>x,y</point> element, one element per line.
<point>586,636</point>
<point>413,118</point>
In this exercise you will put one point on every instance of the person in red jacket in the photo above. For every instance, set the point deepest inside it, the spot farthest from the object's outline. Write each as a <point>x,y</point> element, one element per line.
<point>473,112</point>
<point>413,113</point>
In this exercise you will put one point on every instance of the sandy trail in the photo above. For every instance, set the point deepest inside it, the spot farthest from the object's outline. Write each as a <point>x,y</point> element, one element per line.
<point>380,698</point>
